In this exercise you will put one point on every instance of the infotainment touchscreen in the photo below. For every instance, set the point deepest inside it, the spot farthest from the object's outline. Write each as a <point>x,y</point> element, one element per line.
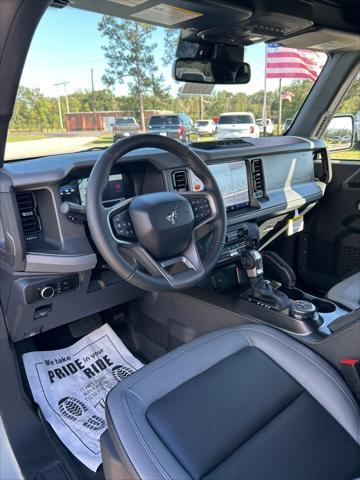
<point>233,183</point>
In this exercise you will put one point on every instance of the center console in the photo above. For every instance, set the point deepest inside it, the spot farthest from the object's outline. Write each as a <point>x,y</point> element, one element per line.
<point>263,285</point>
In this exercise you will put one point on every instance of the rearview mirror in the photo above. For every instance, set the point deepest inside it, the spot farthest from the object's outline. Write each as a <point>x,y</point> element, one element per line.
<point>339,133</point>
<point>197,70</point>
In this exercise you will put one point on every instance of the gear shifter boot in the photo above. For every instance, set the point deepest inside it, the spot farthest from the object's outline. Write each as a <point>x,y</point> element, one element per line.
<point>251,261</point>
<point>264,292</point>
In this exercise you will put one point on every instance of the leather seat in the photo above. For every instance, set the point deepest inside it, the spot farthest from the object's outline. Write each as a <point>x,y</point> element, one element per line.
<point>240,403</point>
<point>347,292</point>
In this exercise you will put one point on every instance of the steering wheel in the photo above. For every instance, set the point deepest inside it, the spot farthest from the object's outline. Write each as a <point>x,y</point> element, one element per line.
<point>149,240</point>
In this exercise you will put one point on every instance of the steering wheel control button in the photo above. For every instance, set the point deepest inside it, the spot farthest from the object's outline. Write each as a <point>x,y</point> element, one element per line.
<point>201,208</point>
<point>122,226</point>
<point>302,310</point>
<point>47,292</point>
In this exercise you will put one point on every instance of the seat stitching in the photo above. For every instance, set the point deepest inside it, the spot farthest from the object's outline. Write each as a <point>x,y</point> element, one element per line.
<point>133,421</point>
<point>141,438</point>
<point>185,349</point>
<point>327,373</point>
<point>315,363</point>
<point>181,352</point>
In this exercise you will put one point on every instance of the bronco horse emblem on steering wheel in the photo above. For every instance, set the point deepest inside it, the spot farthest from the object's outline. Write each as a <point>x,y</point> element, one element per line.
<point>173,215</point>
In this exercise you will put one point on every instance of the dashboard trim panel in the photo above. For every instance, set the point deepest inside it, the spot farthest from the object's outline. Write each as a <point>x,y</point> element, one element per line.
<point>45,263</point>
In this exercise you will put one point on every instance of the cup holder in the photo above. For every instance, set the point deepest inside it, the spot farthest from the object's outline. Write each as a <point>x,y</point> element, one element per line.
<point>322,306</point>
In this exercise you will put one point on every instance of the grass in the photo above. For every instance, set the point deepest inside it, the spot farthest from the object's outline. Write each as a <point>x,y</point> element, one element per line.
<point>23,138</point>
<point>346,155</point>
<point>104,141</point>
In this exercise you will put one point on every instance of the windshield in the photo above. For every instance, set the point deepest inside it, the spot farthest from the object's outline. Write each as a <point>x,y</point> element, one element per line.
<point>81,82</point>
<point>155,121</point>
<point>228,119</point>
<point>202,123</point>
<point>125,121</point>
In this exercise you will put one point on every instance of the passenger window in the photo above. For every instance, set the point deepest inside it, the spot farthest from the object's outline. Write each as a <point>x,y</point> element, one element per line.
<point>338,134</point>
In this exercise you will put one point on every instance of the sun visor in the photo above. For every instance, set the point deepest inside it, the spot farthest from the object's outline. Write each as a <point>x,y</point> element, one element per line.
<point>199,15</point>
<point>324,40</point>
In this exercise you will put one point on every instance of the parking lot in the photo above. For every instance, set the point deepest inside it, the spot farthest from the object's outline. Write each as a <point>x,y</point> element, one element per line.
<point>52,144</point>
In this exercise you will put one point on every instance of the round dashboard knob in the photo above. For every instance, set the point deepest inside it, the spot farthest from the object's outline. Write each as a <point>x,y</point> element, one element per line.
<point>47,292</point>
<point>302,310</point>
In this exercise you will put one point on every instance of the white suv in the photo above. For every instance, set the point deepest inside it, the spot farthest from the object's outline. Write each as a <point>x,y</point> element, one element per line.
<point>235,125</point>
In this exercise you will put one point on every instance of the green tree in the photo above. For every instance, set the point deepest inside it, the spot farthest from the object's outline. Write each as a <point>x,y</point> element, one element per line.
<point>171,39</point>
<point>351,101</point>
<point>129,55</point>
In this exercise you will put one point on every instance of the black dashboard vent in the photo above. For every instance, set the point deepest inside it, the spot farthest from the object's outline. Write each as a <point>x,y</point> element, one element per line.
<point>258,178</point>
<point>179,180</point>
<point>29,215</point>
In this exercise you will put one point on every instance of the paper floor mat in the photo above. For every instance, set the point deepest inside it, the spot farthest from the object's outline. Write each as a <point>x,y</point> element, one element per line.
<point>70,386</point>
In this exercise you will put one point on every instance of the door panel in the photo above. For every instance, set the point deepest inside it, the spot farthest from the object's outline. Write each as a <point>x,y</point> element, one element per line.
<point>329,247</point>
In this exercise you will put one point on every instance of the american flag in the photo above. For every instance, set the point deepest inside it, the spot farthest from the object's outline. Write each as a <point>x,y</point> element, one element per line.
<point>284,62</point>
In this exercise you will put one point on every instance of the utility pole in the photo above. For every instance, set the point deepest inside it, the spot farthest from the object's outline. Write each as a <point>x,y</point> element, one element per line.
<point>264,111</point>
<point>280,108</point>
<point>201,107</point>
<point>59,105</point>
<point>57,85</point>
<point>93,96</point>
<point>66,98</point>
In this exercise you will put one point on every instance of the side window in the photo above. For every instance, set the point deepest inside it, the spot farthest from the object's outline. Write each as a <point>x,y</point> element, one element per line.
<point>338,133</point>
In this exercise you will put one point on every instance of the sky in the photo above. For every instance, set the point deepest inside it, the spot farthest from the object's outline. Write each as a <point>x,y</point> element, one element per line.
<point>67,45</point>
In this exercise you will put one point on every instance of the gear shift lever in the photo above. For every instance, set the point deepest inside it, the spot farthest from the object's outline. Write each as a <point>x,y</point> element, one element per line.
<point>252,263</point>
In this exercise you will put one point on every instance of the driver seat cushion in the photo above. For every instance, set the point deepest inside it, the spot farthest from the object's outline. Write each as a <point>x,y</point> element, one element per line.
<point>242,402</point>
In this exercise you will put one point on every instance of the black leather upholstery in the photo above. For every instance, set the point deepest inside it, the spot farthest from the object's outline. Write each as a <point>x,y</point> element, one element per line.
<point>245,402</point>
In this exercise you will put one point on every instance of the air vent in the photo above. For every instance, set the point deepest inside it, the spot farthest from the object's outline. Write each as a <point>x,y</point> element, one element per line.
<point>179,180</point>
<point>29,216</point>
<point>258,178</point>
<point>321,126</point>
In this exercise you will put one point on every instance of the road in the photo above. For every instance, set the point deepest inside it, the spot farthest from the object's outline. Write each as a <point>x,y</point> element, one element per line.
<point>47,146</point>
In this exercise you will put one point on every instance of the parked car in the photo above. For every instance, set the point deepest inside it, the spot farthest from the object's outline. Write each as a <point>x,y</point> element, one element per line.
<point>269,126</point>
<point>235,125</point>
<point>205,127</point>
<point>177,126</point>
<point>125,127</point>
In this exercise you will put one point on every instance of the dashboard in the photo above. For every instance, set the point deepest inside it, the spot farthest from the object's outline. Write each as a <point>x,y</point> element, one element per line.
<point>50,267</point>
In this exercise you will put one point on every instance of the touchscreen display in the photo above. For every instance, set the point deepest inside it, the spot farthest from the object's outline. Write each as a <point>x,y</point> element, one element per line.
<point>232,181</point>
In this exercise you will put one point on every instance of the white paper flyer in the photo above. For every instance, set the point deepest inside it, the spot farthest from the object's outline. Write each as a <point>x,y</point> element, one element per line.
<point>70,386</point>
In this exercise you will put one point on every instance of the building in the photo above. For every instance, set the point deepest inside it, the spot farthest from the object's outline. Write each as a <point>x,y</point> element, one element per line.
<point>101,121</point>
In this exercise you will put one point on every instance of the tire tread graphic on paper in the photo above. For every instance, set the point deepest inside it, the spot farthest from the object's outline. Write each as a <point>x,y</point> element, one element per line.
<point>95,423</point>
<point>71,408</point>
<point>120,372</point>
